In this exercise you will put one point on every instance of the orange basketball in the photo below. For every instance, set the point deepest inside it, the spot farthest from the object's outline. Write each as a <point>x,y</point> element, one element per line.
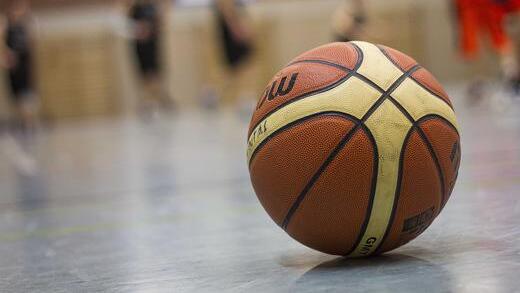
<point>353,149</point>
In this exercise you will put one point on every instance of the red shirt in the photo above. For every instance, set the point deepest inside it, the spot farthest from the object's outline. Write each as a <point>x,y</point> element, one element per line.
<point>484,17</point>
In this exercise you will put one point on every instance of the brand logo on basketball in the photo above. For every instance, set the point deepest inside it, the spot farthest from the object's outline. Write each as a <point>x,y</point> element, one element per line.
<point>281,89</point>
<point>368,245</point>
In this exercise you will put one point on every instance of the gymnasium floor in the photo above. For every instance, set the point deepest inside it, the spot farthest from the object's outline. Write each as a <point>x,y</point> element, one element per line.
<point>126,206</point>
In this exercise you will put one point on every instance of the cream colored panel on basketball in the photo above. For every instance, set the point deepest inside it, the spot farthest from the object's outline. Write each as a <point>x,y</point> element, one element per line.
<point>419,102</point>
<point>353,97</point>
<point>377,67</point>
<point>389,127</point>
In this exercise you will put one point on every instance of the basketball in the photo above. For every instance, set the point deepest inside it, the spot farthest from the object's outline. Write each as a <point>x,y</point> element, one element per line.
<point>353,149</point>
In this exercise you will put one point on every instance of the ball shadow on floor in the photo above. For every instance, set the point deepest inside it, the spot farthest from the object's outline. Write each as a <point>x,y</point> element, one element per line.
<point>386,273</point>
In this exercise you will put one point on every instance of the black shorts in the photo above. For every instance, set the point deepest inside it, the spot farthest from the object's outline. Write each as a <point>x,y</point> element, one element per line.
<point>20,81</point>
<point>147,56</point>
<point>236,52</point>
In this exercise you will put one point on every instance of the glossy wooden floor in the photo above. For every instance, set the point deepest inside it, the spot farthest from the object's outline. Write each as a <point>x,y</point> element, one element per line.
<point>126,206</point>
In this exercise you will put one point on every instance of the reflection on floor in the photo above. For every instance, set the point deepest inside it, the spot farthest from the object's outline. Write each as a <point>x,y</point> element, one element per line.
<point>167,206</point>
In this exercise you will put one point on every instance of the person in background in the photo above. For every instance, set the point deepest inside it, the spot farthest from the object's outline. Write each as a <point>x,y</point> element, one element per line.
<point>479,17</point>
<point>236,39</point>
<point>18,61</point>
<point>146,24</point>
<point>349,21</point>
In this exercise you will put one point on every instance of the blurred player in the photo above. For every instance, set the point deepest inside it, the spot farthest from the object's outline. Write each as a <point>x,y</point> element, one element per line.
<point>479,17</point>
<point>146,20</point>
<point>18,60</point>
<point>349,20</point>
<point>236,40</point>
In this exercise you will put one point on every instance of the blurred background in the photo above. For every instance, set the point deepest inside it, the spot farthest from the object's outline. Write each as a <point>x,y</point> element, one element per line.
<point>84,65</point>
<point>123,123</point>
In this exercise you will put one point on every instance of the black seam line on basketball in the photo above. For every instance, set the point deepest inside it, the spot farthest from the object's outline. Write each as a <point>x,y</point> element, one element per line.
<point>431,92</point>
<point>397,192</point>
<point>388,92</point>
<point>411,77</point>
<point>318,91</point>
<point>299,121</point>
<point>416,124</point>
<point>354,73</point>
<point>373,185</point>
<point>359,61</point>
<point>391,59</point>
<point>436,116</point>
<point>361,56</point>
<point>453,186</point>
<point>436,161</point>
<point>432,151</point>
<point>324,62</point>
<point>457,166</point>
<point>346,138</point>
<point>402,109</point>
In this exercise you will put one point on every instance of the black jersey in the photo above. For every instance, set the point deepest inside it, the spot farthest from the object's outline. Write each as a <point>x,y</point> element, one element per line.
<point>18,41</point>
<point>236,51</point>
<point>147,49</point>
